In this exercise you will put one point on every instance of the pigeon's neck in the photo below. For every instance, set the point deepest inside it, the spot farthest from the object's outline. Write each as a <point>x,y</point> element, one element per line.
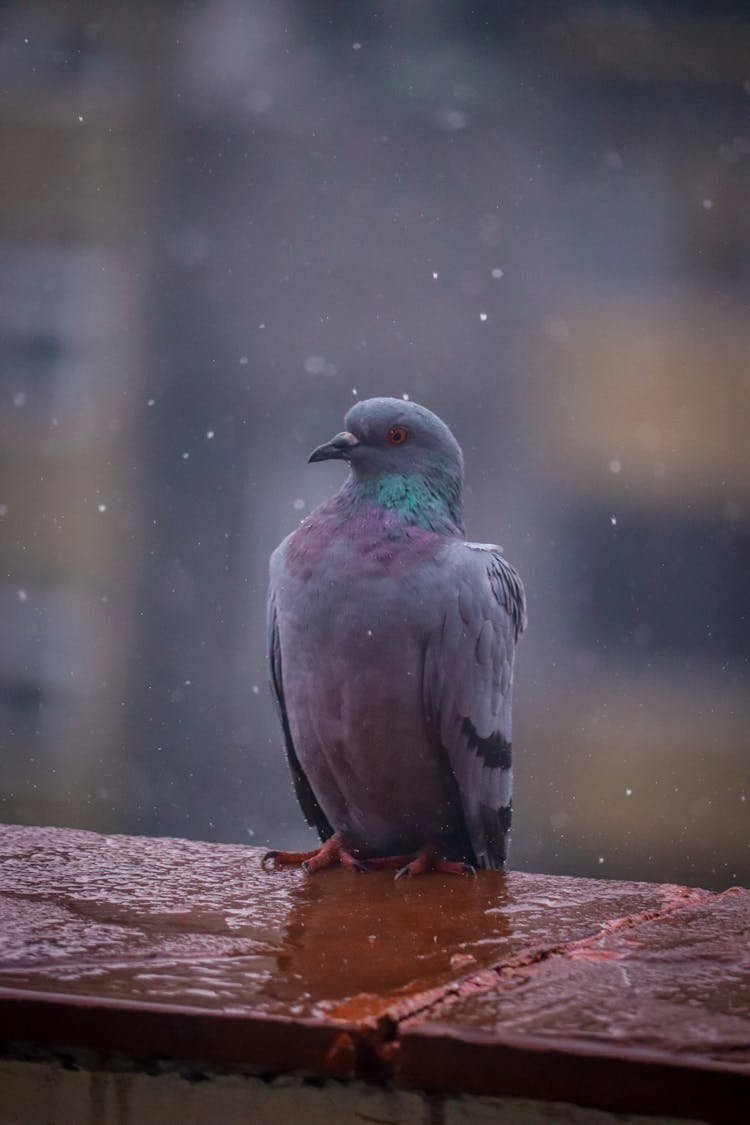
<point>430,502</point>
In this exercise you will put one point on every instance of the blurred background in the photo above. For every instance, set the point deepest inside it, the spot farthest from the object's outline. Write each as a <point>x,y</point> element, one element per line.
<point>221,223</point>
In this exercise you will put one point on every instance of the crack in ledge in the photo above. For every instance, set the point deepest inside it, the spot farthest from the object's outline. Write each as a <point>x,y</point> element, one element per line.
<point>410,1013</point>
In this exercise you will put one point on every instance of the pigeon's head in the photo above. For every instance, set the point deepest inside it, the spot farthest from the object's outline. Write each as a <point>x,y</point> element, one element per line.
<point>403,456</point>
<point>393,435</point>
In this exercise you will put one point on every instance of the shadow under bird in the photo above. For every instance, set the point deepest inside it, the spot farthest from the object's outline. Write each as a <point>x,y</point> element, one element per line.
<point>392,641</point>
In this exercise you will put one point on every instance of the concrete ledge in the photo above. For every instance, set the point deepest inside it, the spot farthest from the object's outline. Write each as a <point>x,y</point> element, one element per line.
<point>129,958</point>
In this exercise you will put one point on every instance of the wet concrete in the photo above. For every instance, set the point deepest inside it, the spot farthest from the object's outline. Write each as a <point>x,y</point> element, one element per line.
<point>173,921</point>
<point>178,949</point>
<point>679,983</point>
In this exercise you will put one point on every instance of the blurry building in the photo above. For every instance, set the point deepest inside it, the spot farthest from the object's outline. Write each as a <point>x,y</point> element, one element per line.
<point>77,139</point>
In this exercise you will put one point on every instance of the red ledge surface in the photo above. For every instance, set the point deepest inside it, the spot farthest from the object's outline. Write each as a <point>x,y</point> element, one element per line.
<point>624,996</point>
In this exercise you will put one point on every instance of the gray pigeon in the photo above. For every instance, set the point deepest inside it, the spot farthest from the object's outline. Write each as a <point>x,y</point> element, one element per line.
<point>391,644</point>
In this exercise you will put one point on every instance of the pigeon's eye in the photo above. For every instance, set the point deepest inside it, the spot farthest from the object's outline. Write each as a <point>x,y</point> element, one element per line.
<point>397,435</point>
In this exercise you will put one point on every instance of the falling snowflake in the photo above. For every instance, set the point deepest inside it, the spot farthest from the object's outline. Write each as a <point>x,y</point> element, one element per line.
<point>319,365</point>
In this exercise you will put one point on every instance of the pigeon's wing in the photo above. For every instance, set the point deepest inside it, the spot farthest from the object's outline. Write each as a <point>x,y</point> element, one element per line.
<point>468,684</point>
<point>314,815</point>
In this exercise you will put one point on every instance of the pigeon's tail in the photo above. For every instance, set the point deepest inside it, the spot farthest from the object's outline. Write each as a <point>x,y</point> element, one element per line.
<point>496,829</point>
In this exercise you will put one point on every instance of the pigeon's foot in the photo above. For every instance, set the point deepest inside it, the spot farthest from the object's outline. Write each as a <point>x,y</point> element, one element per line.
<point>387,862</point>
<point>427,859</point>
<point>331,854</point>
<point>417,863</point>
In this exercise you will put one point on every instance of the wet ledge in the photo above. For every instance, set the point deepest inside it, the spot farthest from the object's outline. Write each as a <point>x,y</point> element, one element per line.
<point>144,977</point>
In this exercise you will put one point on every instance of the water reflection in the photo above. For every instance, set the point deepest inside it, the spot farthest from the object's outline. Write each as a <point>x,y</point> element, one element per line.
<point>167,922</point>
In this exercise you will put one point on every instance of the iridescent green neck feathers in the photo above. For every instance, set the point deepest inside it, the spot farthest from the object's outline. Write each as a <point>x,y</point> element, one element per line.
<point>429,501</point>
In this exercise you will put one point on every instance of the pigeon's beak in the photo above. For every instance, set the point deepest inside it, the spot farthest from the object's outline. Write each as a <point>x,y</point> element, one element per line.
<point>337,449</point>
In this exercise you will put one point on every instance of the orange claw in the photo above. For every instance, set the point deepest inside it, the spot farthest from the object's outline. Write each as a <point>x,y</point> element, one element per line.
<point>427,859</point>
<point>287,859</point>
<point>331,854</point>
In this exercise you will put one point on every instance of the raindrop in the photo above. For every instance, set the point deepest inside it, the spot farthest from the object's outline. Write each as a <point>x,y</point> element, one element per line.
<point>483,317</point>
<point>319,365</point>
<point>210,434</point>
<point>497,273</point>
<point>453,119</point>
<point>23,596</point>
<point>19,399</point>
<point>101,507</point>
<point>615,466</point>
<point>298,504</point>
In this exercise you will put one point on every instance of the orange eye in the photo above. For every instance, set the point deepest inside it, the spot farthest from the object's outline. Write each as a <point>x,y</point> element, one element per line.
<point>397,435</point>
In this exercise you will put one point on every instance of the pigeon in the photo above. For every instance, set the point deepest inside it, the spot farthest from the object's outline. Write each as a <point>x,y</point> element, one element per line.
<point>391,641</point>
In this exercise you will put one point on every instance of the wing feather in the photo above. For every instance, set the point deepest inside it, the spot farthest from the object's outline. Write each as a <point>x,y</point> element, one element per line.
<point>468,686</point>
<point>313,813</point>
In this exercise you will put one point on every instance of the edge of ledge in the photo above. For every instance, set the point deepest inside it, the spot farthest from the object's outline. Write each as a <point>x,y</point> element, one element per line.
<point>436,1057</point>
<point>159,1031</point>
